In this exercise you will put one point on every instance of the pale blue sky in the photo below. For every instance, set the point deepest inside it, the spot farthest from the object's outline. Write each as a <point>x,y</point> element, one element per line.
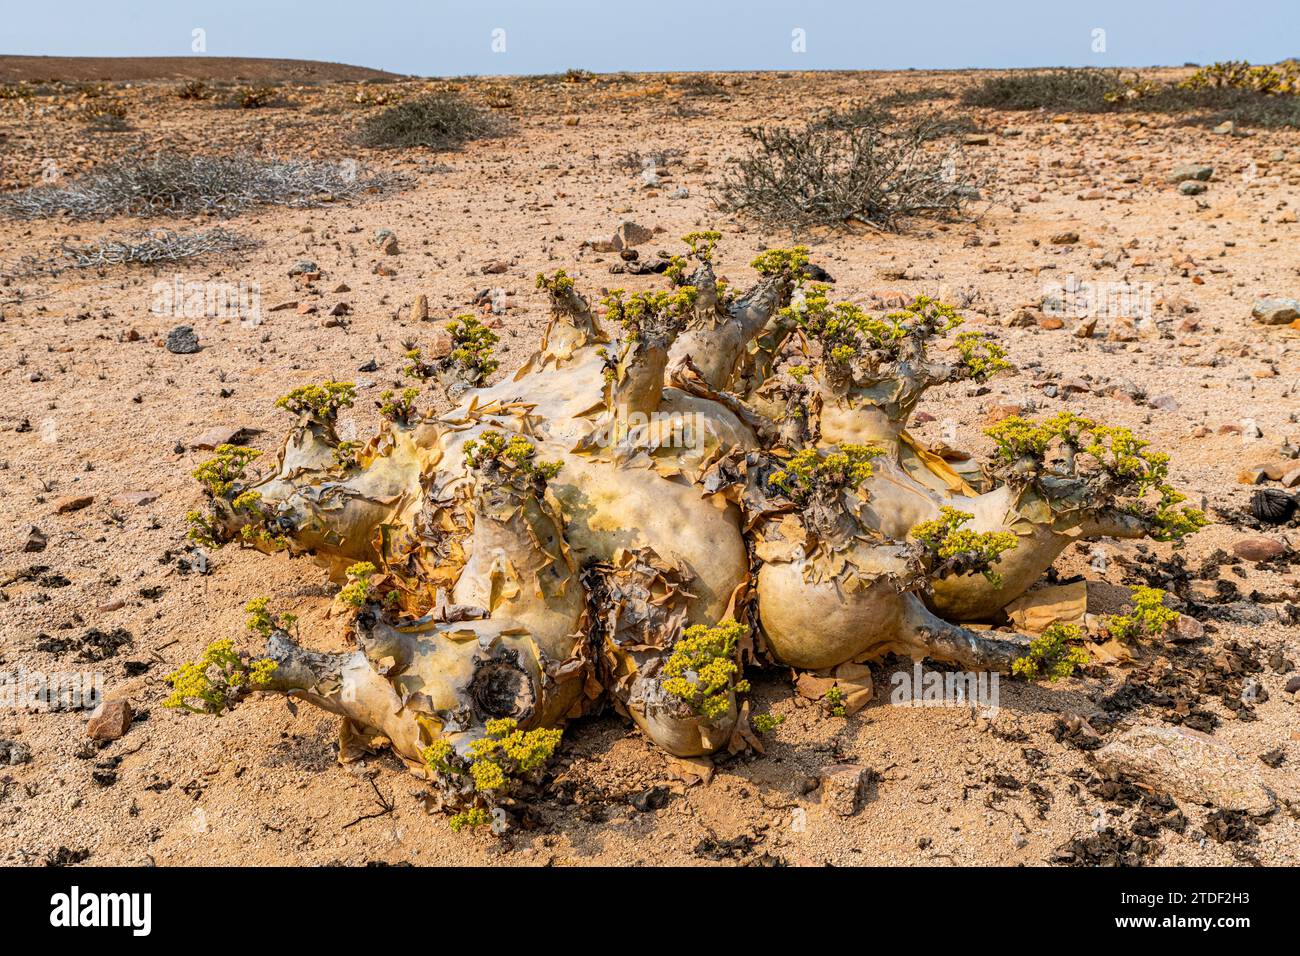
<point>441,38</point>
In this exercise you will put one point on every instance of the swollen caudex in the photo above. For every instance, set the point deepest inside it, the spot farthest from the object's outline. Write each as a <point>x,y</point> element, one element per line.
<point>698,481</point>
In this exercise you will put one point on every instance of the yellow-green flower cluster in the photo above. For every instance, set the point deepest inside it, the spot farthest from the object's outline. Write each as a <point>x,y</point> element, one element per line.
<point>469,819</point>
<point>262,621</point>
<point>398,408</point>
<point>246,500</point>
<point>843,329</point>
<point>808,472</point>
<point>979,358</point>
<point>835,702</point>
<point>516,456</point>
<point>558,285</point>
<point>1149,617</point>
<point>211,684</point>
<point>649,313</point>
<point>948,542</point>
<point>1015,438</point>
<point>1054,655</point>
<point>701,669</point>
<point>471,346</point>
<point>789,262</point>
<point>1118,453</point>
<point>220,473</point>
<point>702,244</point>
<point>496,762</point>
<point>321,401</point>
<point>202,530</point>
<point>357,591</point>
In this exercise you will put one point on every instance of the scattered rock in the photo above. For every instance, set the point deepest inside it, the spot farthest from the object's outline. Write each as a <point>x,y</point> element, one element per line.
<point>13,753</point>
<point>629,235</point>
<point>1065,239</point>
<point>654,798</point>
<point>1258,549</point>
<point>999,412</point>
<point>1192,188</point>
<point>1189,765</point>
<point>495,267</point>
<point>843,788</point>
<point>1190,171</point>
<point>1185,630</point>
<point>72,503</point>
<point>111,721</point>
<point>1293,685</point>
<point>183,340</point>
<point>1276,311</point>
<point>219,435</point>
<point>35,541</point>
<point>440,346</point>
<point>420,308</point>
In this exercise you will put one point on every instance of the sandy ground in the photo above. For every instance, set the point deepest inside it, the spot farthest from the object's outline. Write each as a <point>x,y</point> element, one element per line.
<point>94,406</point>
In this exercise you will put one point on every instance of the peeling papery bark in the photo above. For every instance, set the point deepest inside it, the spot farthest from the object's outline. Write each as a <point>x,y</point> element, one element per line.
<point>531,555</point>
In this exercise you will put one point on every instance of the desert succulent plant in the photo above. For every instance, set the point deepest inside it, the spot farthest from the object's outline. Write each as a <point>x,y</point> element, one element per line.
<point>519,558</point>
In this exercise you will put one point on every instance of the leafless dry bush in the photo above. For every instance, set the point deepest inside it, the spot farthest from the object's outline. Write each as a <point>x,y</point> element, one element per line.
<point>828,174</point>
<point>141,248</point>
<point>174,185</point>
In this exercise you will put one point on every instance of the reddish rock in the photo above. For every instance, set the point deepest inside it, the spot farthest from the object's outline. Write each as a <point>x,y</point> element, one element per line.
<point>1258,549</point>
<point>999,412</point>
<point>72,503</point>
<point>112,721</point>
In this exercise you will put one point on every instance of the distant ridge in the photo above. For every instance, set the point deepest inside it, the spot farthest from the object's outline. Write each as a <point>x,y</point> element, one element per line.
<point>228,69</point>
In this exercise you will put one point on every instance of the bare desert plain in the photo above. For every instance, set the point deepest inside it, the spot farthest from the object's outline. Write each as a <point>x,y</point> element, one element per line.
<point>101,423</point>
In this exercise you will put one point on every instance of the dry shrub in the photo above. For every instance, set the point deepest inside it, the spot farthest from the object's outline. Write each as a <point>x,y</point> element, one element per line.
<point>150,247</point>
<point>438,121</point>
<point>174,185</point>
<point>828,175</point>
<point>1255,96</point>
